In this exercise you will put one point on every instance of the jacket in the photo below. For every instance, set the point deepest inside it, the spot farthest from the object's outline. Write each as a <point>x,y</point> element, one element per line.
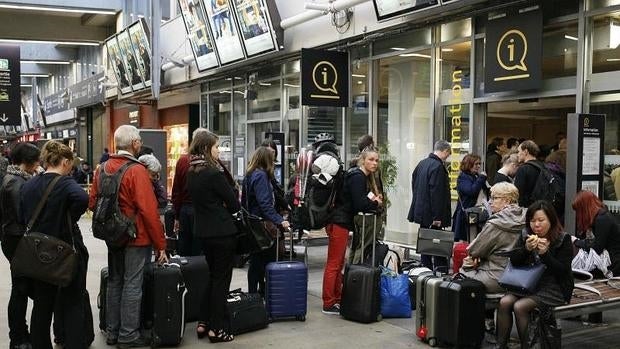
<point>493,163</point>
<point>606,237</point>
<point>500,234</point>
<point>180,195</point>
<point>430,187</point>
<point>136,199</point>
<point>341,213</point>
<point>257,196</point>
<point>214,201</point>
<point>468,186</point>
<point>9,201</point>
<point>525,180</point>
<point>66,196</point>
<point>356,190</point>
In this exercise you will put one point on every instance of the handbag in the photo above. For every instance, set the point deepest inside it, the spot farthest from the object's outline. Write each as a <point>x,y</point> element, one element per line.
<point>255,233</point>
<point>247,312</point>
<point>44,257</point>
<point>522,279</point>
<point>435,242</point>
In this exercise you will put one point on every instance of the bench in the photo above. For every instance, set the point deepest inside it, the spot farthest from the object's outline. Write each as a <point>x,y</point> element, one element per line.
<point>591,297</point>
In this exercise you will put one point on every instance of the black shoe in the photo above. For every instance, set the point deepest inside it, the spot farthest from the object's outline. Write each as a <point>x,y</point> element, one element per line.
<point>140,342</point>
<point>111,341</point>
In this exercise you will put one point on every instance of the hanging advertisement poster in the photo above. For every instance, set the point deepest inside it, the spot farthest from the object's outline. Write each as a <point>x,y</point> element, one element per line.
<point>115,59</point>
<point>255,26</point>
<point>195,19</point>
<point>138,34</point>
<point>222,22</point>
<point>129,58</point>
<point>10,97</point>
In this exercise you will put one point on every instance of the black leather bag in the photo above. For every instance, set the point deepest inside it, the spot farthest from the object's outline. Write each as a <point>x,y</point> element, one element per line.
<point>247,312</point>
<point>255,233</point>
<point>522,279</point>
<point>44,257</point>
<point>435,242</point>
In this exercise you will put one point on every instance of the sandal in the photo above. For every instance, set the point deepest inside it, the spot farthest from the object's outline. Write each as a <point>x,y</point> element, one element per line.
<point>217,336</point>
<point>201,330</point>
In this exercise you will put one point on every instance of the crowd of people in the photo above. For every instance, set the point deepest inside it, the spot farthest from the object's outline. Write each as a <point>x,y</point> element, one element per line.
<point>521,227</point>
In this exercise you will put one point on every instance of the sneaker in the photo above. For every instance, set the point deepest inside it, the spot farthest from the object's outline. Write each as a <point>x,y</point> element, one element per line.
<point>140,342</point>
<point>333,310</point>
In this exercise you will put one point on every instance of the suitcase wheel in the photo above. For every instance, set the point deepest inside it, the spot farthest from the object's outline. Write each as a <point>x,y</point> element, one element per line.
<point>300,317</point>
<point>432,342</point>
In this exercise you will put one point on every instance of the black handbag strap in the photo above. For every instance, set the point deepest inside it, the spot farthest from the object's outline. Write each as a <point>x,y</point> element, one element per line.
<point>42,202</point>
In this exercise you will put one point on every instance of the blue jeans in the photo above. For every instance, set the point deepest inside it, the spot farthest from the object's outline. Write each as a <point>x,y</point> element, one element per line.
<point>126,274</point>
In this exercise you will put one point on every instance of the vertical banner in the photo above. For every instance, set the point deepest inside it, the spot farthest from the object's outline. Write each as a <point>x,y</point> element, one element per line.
<point>513,52</point>
<point>324,78</point>
<point>10,98</point>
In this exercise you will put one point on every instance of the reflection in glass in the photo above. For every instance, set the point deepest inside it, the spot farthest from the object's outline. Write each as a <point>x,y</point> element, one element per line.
<point>267,102</point>
<point>239,138</point>
<point>220,114</point>
<point>357,115</point>
<point>455,59</point>
<point>606,43</point>
<point>560,50</point>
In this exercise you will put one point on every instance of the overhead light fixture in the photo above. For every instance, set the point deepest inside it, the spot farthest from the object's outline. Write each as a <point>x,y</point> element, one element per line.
<point>414,55</point>
<point>76,43</point>
<point>35,76</point>
<point>26,85</point>
<point>57,9</point>
<point>397,48</point>
<point>358,75</point>
<point>359,82</point>
<point>45,62</point>
<point>613,59</point>
<point>570,37</point>
<point>447,49</point>
<point>264,83</point>
<point>292,85</point>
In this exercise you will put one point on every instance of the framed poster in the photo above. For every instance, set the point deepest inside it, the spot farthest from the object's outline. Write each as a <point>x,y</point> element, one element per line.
<point>129,58</point>
<point>10,98</point>
<point>222,22</point>
<point>197,28</point>
<point>386,9</point>
<point>255,26</point>
<point>139,36</point>
<point>115,59</point>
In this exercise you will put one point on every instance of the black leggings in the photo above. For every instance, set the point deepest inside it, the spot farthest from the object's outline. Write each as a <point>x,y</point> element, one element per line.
<point>522,308</point>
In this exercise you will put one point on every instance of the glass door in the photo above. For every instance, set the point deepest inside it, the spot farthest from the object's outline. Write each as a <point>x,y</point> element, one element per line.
<point>220,113</point>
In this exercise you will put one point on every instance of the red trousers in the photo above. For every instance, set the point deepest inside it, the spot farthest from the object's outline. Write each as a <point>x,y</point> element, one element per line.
<point>332,276</point>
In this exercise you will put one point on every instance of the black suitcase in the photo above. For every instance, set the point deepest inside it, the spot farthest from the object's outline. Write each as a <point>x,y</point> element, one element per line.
<point>102,298</point>
<point>247,312</point>
<point>195,272</point>
<point>462,312</point>
<point>164,300</point>
<point>360,291</point>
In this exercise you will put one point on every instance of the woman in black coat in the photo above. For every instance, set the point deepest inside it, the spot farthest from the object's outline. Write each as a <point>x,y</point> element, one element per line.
<point>214,203</point>
<point>469,185</point>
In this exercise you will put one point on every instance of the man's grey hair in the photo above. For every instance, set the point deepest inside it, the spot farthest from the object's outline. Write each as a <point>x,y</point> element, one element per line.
<point>151,162</point>
<point>510,159</point>
<point>441,145</point>
<point>124,135</point>
<point>199,130</point>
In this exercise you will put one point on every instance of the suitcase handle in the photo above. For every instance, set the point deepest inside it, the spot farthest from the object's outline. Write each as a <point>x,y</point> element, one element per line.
<point>290,232</point>
<point>374,235</point>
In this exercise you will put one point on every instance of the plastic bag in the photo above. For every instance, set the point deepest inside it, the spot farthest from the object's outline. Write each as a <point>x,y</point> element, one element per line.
<point>395,301</point>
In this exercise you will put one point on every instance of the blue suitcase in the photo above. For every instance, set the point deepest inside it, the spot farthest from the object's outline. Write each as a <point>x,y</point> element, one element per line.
<point>286,293</point>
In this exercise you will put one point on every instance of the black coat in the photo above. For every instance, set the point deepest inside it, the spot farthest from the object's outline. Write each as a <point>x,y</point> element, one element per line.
<point>606,237</point>
<point>430,187</point>
<point>468,186</point>
<point>214,202</point>
<point>525,181</point>
<point>9,205</point>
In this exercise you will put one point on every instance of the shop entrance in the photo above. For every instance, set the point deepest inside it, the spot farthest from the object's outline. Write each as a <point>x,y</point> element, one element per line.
<point>538,119</point>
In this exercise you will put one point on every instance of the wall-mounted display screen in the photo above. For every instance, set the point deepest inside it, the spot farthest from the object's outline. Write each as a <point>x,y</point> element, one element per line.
<point>222,21</point>
<point>116,61</point>
<point>138,33</point>
<point>129,58</point>
<point>196,25</point>
<point>255,26</point>
<point>386,9</point>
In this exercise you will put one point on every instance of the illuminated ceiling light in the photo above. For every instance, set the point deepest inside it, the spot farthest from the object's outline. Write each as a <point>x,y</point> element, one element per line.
<point>26,85</point>
<point>447,49</point>
<point>35,76</point>
<point>291,85</point>
<point>613,59</point>
<point>264,83</point>
<point>414,55</point>
<point>397,48</point>
<point>57,9</point>
<point>77,43</point>
<point>358,75</point>
<point>359,82</point>
<point>569,37</point>
<point>46,62</point>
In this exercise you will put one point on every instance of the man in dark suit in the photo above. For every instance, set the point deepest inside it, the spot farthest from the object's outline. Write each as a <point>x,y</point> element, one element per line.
<point>430,204</point>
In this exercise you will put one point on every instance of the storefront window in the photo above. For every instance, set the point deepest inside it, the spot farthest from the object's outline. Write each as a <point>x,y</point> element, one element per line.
<point>291,96</point>
<point>357,115</point>
<point>239,137</point>
<point>455,58</point>
<point>456,30</point>
<point>595,4</point>
<point>323,119</point>
<point>404,126</point>
<point>219,122</point>
<point>402,42</point>
<point>560,50</point>
<point>606,43</point>
<point>176,145</point>
<point>611,175</point>
<point>266,105</point>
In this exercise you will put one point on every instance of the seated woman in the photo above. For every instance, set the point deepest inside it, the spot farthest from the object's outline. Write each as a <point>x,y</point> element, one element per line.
<point>500,234</point>
<point>547,240</point>
<point>597,229</point>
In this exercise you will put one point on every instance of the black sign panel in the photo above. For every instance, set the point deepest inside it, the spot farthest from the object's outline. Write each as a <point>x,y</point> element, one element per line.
<point>590,146</point>
<point>324,78</point>
<point>513,53</point>
<point>56,103</point>
<point>86,92</point>
<point>10,98</point>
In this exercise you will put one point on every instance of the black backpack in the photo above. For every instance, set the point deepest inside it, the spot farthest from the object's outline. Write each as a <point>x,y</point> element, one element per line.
<point>548,187</point>
<point>109,223</point>
<point>319,198</point>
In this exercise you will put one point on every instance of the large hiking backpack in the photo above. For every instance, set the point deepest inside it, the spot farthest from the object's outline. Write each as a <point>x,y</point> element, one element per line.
<point>109,223</point>
<point>317,184</point>
<point>548,187</point>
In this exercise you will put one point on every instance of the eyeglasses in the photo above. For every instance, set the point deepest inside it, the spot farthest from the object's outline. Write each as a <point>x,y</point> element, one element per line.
<point>497,197</point>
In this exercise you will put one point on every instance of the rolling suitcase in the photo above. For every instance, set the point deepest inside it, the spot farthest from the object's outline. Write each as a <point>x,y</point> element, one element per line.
<point>247,312</point>
<point>195,271</point>
<point>286,294</point>
<point>165,301</point>
<point>414,274</point>
<point>360,290</point>
<point>102,298</point>
<point>427,297</point>
<point>461,315</point>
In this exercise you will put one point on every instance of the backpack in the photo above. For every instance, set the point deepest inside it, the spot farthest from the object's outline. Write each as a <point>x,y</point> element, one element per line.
<point>109,223</point>
<point>548,187</point>
<point>317,185</point>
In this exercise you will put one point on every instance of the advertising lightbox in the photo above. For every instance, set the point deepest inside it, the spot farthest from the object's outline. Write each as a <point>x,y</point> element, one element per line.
<point>138,34</point>
<point>255,26</point>
<point>197,28</point>
<point>223,26</point>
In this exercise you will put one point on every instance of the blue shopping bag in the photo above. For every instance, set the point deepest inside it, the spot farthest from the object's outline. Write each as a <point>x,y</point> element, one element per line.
<point>395,301</point>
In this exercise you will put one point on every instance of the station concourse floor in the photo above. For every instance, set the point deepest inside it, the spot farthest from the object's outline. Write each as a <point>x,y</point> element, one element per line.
<point>319,330</point>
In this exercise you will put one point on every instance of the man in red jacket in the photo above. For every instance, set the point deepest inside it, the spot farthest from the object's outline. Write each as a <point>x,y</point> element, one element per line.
<point>126,265</point>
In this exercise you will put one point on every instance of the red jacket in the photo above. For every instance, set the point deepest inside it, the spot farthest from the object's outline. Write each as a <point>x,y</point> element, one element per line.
<point>136,199</point>
<point>180,195</point>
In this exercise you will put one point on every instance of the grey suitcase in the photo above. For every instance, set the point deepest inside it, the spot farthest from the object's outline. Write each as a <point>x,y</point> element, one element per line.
<point>427,297</point>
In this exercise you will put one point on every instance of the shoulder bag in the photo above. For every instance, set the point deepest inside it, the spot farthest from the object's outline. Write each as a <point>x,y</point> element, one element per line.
<point>522,279</point>
<point>44,257</point>
<point>255,233</point>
